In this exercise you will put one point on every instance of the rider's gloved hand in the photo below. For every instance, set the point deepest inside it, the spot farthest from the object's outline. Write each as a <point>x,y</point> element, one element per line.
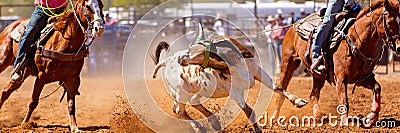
<point>355,9</point>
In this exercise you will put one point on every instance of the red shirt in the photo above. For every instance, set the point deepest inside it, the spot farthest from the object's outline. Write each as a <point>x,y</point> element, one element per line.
<point>52,3</point>
<point>279,33</point>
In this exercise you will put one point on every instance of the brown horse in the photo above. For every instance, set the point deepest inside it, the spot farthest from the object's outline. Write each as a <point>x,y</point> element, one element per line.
<point>353,60</point>
<point>61,57</point>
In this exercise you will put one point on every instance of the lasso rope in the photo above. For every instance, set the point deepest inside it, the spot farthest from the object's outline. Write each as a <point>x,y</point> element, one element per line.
<point>286,26</point>
<point>53,14</point>
<point>51,93</point>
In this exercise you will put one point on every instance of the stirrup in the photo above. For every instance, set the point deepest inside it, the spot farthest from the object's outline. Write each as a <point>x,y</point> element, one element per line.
<point>18,73</point>
<point>316,67</point>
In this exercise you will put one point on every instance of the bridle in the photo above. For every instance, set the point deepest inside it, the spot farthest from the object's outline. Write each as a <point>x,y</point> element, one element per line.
<point>389,41</point>
<point>90,22</point>
<point>88,30</point>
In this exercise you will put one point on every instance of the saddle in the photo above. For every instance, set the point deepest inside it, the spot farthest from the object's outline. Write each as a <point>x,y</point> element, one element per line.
<point>18,32</point>
<point>307,29</point>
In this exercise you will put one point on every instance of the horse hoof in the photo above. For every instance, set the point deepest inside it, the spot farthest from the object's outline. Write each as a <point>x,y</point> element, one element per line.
<point>318,115</point>
<point>28,125</point>
<point>369,121</point>
<point>275,114</point>
<point>75,130</point>
<point>257,129</point>
<point>317,112</point>
<point>299,102</point>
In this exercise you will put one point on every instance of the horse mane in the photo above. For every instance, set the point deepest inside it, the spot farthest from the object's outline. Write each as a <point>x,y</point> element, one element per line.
<point>63,20</point>
<point>374,5</point>
<point>101,5</point>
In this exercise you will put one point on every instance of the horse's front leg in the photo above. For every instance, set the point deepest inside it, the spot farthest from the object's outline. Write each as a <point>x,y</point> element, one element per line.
<point>72,87</point>
<point>318,84</point>
<point>39,84</point>
<point>343,108</point>
<point>372,117</point>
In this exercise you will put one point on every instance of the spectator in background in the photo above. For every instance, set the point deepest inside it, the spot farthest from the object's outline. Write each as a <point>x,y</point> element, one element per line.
<point>278,34</point>
<point>109,21</point>
<point>219,27</point>
<point>291,19</point>
<point>279,14</point>
<point>302,13</point>
<point>268,28</point>
<point>231,29</point>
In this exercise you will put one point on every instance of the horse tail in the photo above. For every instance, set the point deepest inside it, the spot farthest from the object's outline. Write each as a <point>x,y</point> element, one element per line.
<point>161,46</point>
<point>7,45</point>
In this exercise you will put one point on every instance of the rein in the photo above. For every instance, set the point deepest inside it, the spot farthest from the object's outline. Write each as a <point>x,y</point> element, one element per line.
<point>78,19</point>
<point>87,31</point>
<point>387,41</point>
<point>82,52</point>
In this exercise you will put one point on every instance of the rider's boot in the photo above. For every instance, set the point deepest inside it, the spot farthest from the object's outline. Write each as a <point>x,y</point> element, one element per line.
<point>317,66</point>
<point>19,71</point>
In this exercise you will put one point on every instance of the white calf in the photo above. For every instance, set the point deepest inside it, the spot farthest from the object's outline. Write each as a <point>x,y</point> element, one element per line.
<point>189,83</point>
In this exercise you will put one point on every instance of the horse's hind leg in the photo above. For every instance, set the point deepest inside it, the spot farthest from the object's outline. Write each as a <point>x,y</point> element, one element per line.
<point>288,66</point>
<point>341,90</point>
<point>34,101</point>
<point>195,101</point>
<point>8,89</point>
<point>372,117</point>
<point>7,59</point>
<point>314,96</point>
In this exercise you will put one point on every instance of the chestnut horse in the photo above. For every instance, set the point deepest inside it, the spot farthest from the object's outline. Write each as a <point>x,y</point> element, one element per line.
<point>61,57</point>
<point>353,60</point>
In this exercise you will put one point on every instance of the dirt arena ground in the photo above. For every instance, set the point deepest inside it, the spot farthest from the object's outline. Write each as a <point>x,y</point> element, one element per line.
<point>102,107</point>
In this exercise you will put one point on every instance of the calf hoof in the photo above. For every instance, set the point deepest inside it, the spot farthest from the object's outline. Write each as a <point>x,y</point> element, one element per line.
<point>215,123</point>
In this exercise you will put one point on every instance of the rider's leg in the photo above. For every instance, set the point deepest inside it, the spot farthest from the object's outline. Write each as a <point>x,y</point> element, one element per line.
<point>334,6</point>
<point>36,23</point>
